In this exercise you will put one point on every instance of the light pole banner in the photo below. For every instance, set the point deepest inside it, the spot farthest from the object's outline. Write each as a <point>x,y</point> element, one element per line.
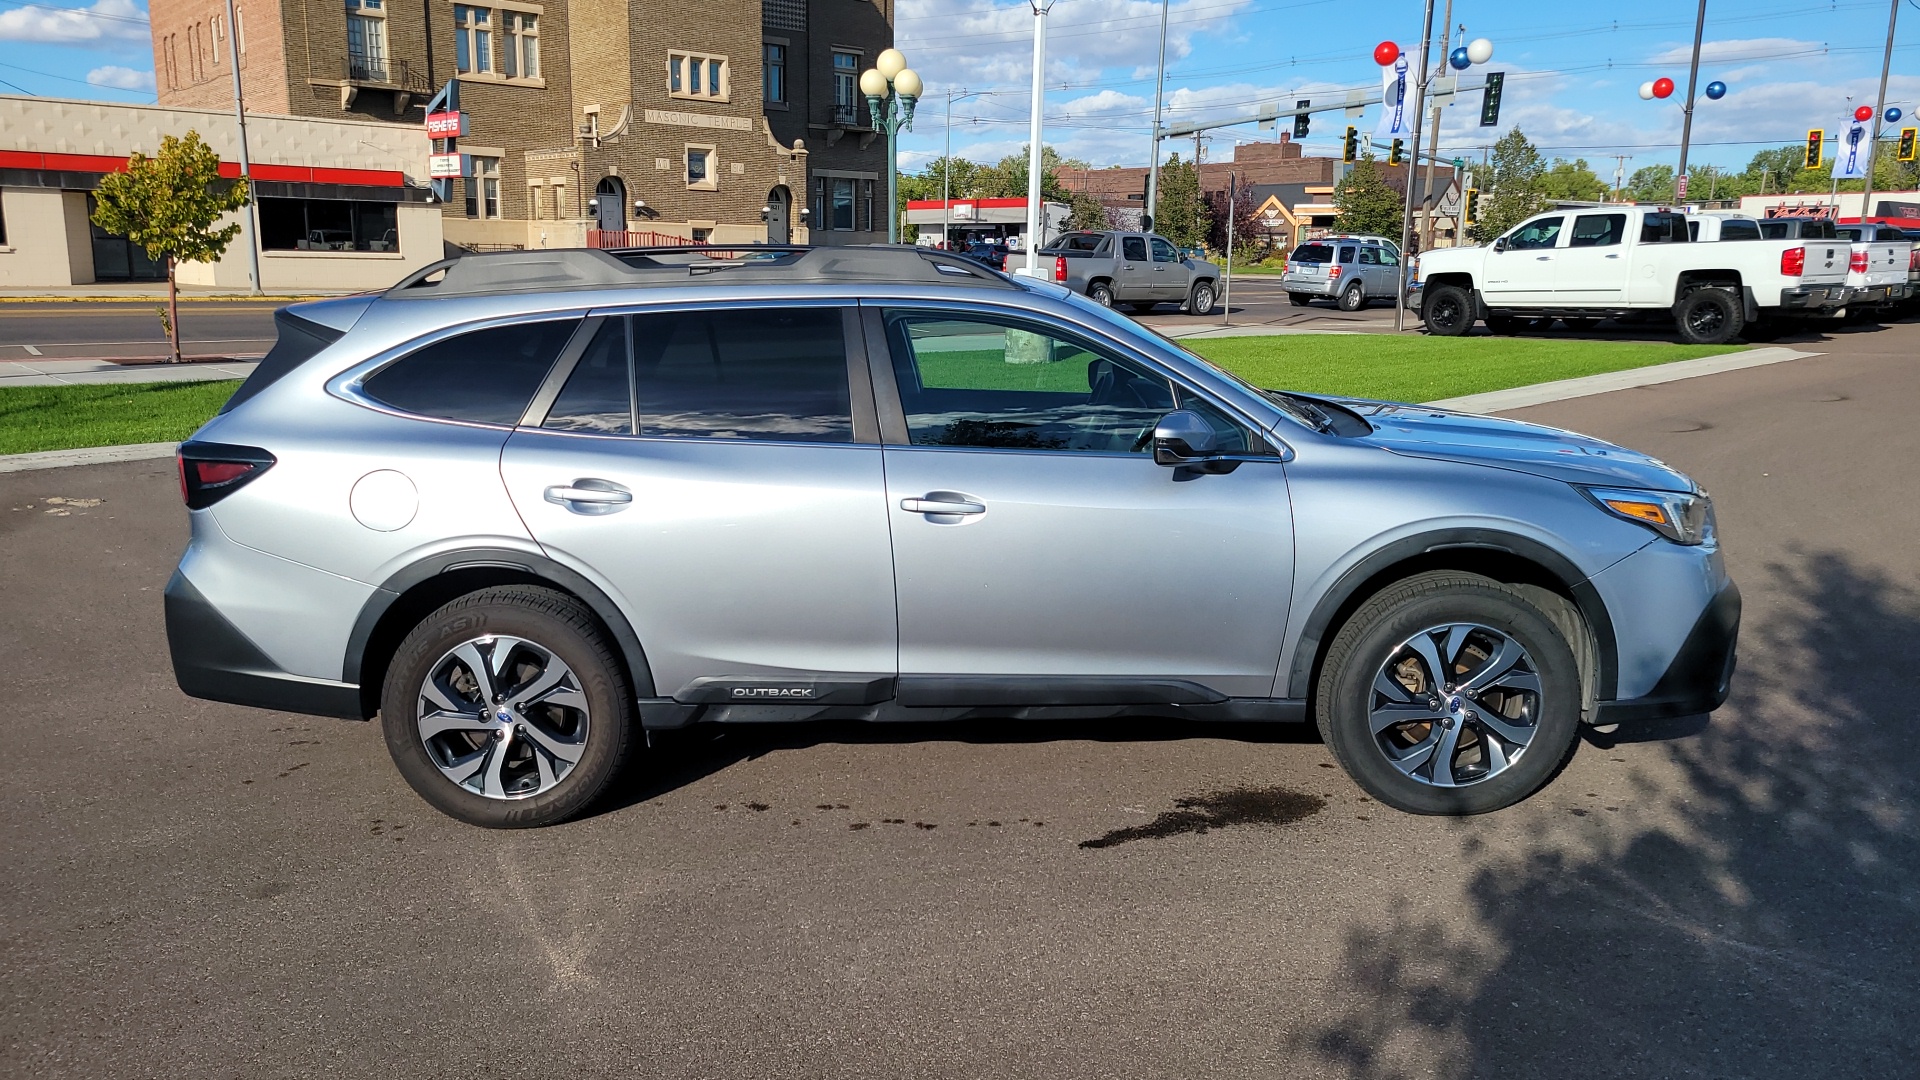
<point>1396,112</point>
<point>1850,163</point>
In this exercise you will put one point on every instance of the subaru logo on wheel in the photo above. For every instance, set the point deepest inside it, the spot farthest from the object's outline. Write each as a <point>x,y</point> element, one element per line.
<point>503,715</point>
<point>1452,703</point>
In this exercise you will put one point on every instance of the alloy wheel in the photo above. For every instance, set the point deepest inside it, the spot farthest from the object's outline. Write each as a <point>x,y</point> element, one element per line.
<point>503,717</point>
<point>1455,704</point>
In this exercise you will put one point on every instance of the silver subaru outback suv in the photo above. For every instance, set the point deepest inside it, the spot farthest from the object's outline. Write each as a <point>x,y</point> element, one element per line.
<point>525,507</point>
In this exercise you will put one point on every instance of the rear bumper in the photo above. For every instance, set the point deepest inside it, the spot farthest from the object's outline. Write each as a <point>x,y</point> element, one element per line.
<point>1701,674</point>
<point>1877,294</point>
<point>1327,289</point>
<point>1814,297</point>
<point>214,660</point>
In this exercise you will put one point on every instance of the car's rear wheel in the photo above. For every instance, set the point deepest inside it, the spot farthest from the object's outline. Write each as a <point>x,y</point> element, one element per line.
<point>1100,293</point>
<point>1200,301</point>
<point>1447,311</point>
<point>1353,297</point>
<point>508,708</point>
<point>1709,317</point>
<point>1450,693</point>
<point>1299,299</point>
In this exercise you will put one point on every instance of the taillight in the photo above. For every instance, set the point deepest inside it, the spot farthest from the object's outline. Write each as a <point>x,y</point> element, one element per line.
<point>1857,262</point>
<point>1059,268</point>
<point>1333,271</point>
<point>1793,261</point>
<point>1913,260</point>
<point>210,472</point>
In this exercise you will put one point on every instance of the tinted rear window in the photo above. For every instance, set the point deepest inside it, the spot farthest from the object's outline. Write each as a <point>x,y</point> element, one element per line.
<point>1082,241</point>
<point>763,373</point>
<point>1318,253</point>
<point>486,376</point>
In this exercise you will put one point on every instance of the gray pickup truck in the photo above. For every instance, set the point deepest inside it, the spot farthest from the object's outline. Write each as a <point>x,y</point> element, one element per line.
<point>1131,268</point>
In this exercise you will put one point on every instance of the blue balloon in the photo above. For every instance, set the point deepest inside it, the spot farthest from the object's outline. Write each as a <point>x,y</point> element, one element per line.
<point>1716,90</point>
<point>1893,115</point>
<point>1458,58</point>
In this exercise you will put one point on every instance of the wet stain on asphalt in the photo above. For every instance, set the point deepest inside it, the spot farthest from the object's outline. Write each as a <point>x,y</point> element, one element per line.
<point>1201,813</point>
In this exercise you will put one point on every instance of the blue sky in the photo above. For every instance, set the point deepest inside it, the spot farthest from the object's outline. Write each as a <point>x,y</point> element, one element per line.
<point>1572,71</point>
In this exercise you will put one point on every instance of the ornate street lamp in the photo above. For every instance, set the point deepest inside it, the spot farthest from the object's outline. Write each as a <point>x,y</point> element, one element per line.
<point>892,89</point>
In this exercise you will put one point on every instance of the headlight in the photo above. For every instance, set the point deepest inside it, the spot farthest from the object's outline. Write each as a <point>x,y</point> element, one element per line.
<point>1681,517</point>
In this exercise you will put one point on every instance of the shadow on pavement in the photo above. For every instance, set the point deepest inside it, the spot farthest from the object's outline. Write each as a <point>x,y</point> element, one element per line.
<point>1759,919</point>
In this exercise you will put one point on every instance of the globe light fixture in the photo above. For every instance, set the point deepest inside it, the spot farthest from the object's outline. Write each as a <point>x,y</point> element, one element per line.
<point>892,89</point>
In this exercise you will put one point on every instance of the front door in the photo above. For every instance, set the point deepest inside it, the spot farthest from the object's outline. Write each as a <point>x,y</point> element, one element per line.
<point>1522,275</point>
<point>779,210</point>
<point>610,197</point>
<point>1037,545</point>
<point>1592,268</point>
<point>704,468</point>
<point>1134,269</point>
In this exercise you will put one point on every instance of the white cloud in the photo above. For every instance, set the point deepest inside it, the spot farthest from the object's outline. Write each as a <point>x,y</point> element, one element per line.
<point>1738,49</point>
<point>121,78</point>
<point>104,21</point>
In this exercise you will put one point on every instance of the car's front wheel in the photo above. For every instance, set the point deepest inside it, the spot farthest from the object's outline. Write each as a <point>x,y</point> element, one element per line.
<point>1200,301</point>
<point>1450,693</point>
<point>1447,311</point>
<point>508,708</point>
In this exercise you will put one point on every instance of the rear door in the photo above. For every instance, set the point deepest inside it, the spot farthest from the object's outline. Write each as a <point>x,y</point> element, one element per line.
<point>1592,268</point>
<point>1133,270</point>
<point>716,471</point>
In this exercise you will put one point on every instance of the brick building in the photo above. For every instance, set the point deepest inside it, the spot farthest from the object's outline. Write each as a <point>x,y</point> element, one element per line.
<point>730,123</point>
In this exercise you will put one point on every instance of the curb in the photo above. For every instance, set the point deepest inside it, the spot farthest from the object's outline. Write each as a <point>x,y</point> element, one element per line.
<point>91,455</point>
<point>1520,397</point>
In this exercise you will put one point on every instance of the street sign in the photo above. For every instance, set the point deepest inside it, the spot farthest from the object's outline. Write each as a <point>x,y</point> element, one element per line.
<point>446,125</point>
<point>447,166</point>
<point>1682,190</point>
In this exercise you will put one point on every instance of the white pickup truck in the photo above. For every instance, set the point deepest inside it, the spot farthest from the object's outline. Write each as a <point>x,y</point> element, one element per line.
<point>1630,262</point>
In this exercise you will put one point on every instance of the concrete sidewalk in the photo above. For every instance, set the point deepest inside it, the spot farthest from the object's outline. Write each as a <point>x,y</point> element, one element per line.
<point>49,372</point>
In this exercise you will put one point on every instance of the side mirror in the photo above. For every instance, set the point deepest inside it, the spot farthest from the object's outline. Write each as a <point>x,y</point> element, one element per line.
<point>1500,244</point>
<point>1183,437</point>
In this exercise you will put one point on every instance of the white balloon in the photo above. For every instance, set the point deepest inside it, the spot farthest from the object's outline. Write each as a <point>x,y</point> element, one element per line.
<point>1646,91</point>
<point>1479,50</point>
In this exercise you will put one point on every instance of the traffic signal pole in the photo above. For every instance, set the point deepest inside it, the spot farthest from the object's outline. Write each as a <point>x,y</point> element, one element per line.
<point>1879,113</point>
<point>1406,218</point>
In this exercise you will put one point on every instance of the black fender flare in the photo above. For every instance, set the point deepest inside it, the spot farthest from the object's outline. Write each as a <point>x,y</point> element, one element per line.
<point>1593,609</point>
<point>506,559</point>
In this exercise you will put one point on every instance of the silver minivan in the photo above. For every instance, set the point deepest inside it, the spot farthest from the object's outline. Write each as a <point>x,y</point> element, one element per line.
<point>527,507</point>
<point>1349,270</point>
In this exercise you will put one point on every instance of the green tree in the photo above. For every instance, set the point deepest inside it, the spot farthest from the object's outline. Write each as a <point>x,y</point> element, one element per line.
<point>1181,215</point>
<point>1773,172</point>
<point>1366,204</point>
<point>1572,181</point>
<point>170,204</point>
<point>1088,212</point>
<point>1652,184</point>
<point>1513,192</point>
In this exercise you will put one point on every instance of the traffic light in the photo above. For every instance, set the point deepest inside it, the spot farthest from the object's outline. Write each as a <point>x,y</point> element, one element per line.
<point>1490,99</point>
<point>1906,150</point>
<point>1300,122</point>
<point>1350,150</point>
<point>1816,142</point>
<point>1397,153</point>
<point>1472,212</point>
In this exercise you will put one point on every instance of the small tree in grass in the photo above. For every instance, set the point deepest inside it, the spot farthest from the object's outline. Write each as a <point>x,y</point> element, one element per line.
<point>1366,204</point>
<point>170,205</point>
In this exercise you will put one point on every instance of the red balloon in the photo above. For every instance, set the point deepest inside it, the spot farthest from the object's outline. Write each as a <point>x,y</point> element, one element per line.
<point>1386,53</point>
<point>1863,113</point>
<point>1662,88</point>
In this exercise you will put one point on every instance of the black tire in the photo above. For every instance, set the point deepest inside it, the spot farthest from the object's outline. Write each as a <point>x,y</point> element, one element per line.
<point>1299,299</point>
<point>1353,297</point>
<point>1709,317</point>
<point>1100,293</point>
<point>1200,300</point>
<point>1499,323</point>
<point>1374,634</point>
<point>563,628</point>
<point>1448,311</point>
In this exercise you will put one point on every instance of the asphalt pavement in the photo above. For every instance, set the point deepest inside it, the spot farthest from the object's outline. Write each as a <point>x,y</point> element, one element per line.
<point>131,330</point>
<point>199,889</point>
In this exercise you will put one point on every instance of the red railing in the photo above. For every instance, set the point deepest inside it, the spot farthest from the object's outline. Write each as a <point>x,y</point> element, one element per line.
<point>628,238</point>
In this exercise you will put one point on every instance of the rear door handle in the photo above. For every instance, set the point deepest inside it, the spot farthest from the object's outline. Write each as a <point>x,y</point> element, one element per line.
<point>590,496</point>
<point>1613,256</point>
<point>933,506</point>
<point>1543,258</point>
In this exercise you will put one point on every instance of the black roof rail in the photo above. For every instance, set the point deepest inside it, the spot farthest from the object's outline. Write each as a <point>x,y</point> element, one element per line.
<point>507,272</point>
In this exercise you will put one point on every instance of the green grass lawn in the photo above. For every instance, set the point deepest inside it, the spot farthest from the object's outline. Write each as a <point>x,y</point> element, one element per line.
<point>1407,368</point>
<point>36,418</point>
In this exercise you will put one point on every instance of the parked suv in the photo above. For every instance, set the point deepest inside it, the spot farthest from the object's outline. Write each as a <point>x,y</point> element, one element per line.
<point>1349,270</point>
<point>525,506</point>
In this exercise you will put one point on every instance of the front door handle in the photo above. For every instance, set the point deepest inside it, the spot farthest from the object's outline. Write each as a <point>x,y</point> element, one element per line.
<point>1543,258</point>
<point>934,506</point>
<point>1614,256</point>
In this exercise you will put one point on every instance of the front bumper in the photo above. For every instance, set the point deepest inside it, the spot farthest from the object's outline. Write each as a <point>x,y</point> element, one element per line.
<point>1814,297</point>
<point>1701,674</point>
<point>214,660</point>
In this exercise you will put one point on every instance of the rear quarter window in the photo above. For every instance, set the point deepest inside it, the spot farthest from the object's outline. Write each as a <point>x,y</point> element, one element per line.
<point>483,376</point>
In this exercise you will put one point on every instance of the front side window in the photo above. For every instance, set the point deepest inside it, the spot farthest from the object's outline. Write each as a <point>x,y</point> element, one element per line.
<point>1367,257</point>
<point>773,67</point>
<point>1163,251</point>
<point>764,374</point>
<point>1534,235</point>
<point>485,377</point>
<point>473,39</point>
<point>980,382</point>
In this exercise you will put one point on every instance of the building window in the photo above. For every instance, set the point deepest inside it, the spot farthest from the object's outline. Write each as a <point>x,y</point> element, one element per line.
<point>846,88</point>
<point>328,225</point>
<point>695,75</point>
<point>522,57</point>
<point>473,40</point>
<point>367,40</point>
<point>774,70</point>
<point>3,220</point>
<point>703,170</point>
<point>483,188</point>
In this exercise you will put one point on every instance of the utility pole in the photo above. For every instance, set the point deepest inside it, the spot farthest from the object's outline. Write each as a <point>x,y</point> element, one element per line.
<point>1159,89</point>
<point>1433,147</point>
<point>1620,175</point>
<point>1879,112</point>
<point>1686,123</point>
<point>246,170</point>
<point>1406,218</point>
